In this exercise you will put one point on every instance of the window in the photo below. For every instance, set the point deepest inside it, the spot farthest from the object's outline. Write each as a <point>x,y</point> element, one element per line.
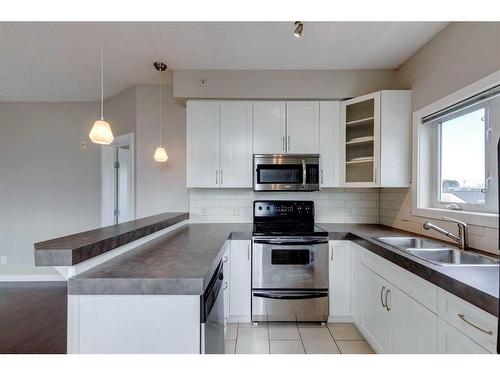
<point>462,168</point>
<point>456,159</point>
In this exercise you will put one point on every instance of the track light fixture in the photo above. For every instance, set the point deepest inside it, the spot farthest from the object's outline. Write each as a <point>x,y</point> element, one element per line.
<point>299,27</point>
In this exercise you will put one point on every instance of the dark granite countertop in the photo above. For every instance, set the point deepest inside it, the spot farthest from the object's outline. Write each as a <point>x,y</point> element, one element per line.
<point>180,262</point>
<point>477,285</point>
<point>76,248</point>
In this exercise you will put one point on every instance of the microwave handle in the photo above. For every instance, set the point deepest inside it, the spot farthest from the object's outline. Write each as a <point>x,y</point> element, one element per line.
<point>304,173</point>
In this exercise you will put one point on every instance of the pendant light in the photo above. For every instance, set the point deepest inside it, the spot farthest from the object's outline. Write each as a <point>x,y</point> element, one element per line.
<point>101,131</point>
<point>160,152</point>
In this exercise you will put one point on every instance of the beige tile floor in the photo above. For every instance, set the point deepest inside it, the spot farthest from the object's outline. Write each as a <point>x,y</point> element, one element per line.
<point>295,338</point>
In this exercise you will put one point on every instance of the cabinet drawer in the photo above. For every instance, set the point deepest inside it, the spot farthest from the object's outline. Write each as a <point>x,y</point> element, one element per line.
<point>475,323</point>
<point>451,341</point>
<point>414,286</point>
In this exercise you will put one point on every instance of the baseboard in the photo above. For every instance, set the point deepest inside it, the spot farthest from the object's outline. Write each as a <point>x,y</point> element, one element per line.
<point>41,278</point>
<point>340,319</point>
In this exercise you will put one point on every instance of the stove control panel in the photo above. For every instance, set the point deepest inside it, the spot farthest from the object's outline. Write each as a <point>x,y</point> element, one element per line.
<point>284,209</point>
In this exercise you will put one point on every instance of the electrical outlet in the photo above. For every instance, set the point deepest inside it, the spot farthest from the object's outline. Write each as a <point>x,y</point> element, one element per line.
<point>236,211</point>
<point>350,211</point>
<point>83,145</point>
<point>203,212</point>
<point>3,259</point>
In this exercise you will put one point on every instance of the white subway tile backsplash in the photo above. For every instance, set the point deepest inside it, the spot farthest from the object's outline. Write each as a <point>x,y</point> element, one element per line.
<point>391,207</point>
<point>331,204</point>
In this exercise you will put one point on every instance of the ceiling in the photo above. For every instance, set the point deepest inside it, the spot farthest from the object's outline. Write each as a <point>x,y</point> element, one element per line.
<point>60,61</point>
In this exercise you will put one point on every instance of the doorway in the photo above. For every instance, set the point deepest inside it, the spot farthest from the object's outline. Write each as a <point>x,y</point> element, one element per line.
<point>117,181</point>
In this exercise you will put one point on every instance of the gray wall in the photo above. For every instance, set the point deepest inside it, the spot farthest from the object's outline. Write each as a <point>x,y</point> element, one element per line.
<point>461,54</point>
<point>261,84</point>
<point>49,187</point>
<point>160,186</point>
<point>121,111</point>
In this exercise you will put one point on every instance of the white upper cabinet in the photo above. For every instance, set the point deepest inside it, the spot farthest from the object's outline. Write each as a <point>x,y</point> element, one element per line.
<point>219,143</point>
<point>375,140</point>
<point>202,144</point>
<point>286,127</point>
<point>235,144</point>
<point>329,143</point>
<point>269,127</point>
<point>302,119</point>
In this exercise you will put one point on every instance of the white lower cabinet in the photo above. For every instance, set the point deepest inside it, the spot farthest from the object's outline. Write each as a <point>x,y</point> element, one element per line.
<point>226,270</point>
<point>356,296</point>
<point>452,341</point>
<point>470,322</point>
<point>393,321</point>
<point>399,312</point>
<point>375,319</point>
<point>413,326</point>
<point>240,281</point>
<point>339,281</point>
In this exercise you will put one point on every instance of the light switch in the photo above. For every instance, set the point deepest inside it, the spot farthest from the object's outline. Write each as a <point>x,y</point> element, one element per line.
<point>83,145</point>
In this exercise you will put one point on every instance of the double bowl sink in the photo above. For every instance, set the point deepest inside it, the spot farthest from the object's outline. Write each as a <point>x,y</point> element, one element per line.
<point>436,252</point>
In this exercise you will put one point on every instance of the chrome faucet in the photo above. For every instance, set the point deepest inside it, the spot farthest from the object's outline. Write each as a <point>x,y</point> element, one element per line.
<point>463,237</point>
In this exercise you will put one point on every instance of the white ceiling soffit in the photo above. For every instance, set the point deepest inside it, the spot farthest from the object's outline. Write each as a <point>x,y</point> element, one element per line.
<point>60,61</point>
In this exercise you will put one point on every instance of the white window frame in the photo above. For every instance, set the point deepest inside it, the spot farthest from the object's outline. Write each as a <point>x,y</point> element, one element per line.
<point>490,196</point>
<point>424,178</point>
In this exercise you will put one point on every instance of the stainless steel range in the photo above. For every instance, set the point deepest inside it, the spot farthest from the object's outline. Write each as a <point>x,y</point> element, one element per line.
<point>289,263</point>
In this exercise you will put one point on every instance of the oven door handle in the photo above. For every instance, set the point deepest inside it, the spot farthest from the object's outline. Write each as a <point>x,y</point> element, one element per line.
<point>291,242</point>
<point>284,295</point>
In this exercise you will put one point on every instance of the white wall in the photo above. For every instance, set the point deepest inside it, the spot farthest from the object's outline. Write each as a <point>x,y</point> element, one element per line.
<point>459,55</point>
<point>49,187</point>
<point>331,205</point>
<point>261,84</point>
<point>160,186</point>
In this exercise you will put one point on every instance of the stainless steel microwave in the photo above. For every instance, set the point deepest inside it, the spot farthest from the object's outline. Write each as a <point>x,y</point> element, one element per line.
<point>286,172</point>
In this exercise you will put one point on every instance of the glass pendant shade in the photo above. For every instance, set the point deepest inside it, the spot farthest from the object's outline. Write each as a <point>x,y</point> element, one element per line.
<point>160,154</point>
<point>101,133</point>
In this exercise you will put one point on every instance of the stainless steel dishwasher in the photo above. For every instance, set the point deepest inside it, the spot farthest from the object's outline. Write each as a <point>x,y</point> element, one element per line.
<point>212,315</point>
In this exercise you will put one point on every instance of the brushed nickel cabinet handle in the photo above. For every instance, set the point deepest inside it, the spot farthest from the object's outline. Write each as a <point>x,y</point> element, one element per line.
<point>248,252</point>
<point>381,293</point>
<point>216,177</point>
<point>222,177</point>
<point>283,143</point>
<point>387,303</point>
<point>288,143</point>
<point>331,254</point>
<point>462,316</point>
<point>225,322</point>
